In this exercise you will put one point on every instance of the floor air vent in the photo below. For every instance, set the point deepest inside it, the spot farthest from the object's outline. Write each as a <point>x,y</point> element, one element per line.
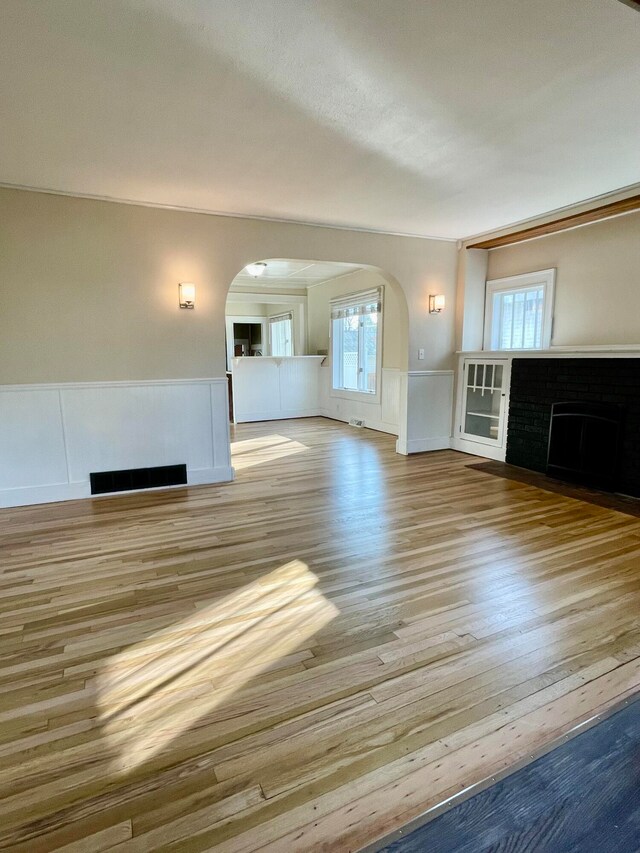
<point>103,482</point>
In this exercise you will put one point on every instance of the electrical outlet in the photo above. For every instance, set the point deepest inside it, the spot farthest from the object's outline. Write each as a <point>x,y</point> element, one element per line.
<point>421,354</point>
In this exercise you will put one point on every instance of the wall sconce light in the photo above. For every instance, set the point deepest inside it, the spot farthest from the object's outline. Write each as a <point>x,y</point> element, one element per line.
<point>187,294</point>
<point>436,303</point>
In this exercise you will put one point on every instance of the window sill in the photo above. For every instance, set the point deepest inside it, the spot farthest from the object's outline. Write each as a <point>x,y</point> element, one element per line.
<point>360,396</point>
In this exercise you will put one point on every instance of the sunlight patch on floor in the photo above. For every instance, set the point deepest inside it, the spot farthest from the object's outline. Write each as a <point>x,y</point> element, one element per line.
<point>154,691</point>
<point>254,451</point>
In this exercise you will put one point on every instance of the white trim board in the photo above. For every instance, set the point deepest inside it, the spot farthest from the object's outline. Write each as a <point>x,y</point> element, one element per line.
<point>539,279</point>
<point>266,298</point>
<point>604,351</point>
<point>111,383</point>
<point>430,372</point>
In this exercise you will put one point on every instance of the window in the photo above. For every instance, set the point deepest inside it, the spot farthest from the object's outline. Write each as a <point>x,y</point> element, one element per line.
<point>281,334</point>
<point>519,311</point>
<point>356,323</point>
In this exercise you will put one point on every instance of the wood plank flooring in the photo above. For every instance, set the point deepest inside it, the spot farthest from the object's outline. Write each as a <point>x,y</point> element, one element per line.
<point>582,797</point>
<point>302,660</point>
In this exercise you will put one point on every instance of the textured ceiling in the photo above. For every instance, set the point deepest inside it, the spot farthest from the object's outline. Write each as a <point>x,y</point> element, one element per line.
<point>436,118</point>
<point>286,274</point>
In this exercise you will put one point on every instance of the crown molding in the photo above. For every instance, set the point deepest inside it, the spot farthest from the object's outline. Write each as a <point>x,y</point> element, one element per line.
<point>579,208</point>
<point>222,213</point>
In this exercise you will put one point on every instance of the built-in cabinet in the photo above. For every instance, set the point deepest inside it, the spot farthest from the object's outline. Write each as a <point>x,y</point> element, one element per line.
<point>481,416</point>
<point>483,388</point>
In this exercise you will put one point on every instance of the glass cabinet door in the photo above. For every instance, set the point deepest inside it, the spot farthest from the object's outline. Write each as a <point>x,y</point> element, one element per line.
<point>484,395</point>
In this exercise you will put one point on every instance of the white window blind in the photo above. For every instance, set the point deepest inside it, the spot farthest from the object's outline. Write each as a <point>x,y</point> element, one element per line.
<point>281,334</point>
<point>368,302</point>
<point>355,341</point>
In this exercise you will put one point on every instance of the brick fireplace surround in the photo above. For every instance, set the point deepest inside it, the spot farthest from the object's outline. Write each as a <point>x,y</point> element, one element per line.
<point>537,383</point>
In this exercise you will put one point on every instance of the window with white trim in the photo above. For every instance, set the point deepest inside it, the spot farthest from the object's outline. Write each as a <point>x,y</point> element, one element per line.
<point>519,312</point>
<point>281,334</point>
<point>356,342</point>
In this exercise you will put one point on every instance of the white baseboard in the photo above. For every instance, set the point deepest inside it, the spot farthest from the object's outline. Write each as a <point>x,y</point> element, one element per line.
<point>423,445</point>
<point>44,494</point>
<point>202,476</point>
<point>278,415</point>
<point>369,423</point>
<point>77,491</point>
<point>479,449</point>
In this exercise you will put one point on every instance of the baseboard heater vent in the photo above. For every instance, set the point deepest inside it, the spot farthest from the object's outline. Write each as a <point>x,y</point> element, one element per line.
<point>356,422</point>
<point>103,482</point>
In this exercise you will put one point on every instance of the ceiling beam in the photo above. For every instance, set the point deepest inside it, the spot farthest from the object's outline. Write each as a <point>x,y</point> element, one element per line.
<point>605,211</point>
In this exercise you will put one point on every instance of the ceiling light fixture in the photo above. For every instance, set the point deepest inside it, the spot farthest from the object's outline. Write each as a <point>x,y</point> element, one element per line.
<point>256,269</point>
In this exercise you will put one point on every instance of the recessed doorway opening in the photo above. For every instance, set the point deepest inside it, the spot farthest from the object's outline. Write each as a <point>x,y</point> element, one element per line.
<point>316,338</point>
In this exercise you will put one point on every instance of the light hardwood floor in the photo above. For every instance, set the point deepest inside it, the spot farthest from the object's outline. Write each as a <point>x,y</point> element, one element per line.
<point>301,660</point>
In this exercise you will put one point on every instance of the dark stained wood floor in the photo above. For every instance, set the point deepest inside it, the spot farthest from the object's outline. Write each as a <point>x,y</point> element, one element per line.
<point>304,659</point>
<point>582,797</point>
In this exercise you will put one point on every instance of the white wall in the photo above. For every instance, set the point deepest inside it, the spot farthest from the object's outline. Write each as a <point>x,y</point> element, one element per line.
<point>597,293</point>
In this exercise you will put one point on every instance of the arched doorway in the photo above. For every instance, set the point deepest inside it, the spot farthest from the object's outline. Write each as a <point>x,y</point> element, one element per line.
<point>307,338</point>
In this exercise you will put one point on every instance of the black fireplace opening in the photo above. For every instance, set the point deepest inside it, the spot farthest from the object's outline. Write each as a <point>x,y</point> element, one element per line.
<point>584,443</point>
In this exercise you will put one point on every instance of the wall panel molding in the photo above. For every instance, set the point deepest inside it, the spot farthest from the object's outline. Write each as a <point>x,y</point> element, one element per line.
<point>429,419</point>
<point>53,436</point>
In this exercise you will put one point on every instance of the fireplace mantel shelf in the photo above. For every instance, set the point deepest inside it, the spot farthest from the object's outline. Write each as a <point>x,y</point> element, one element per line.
<point>628,350</point>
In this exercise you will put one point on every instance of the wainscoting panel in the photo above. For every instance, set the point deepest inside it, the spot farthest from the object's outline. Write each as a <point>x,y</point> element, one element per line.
<point>32,448</point>
<point>429,411</point>
<point>299,384</point>
<point>53,436</point>
<point>391,384</point>
<point>270,388</point>
<point>151,421</point>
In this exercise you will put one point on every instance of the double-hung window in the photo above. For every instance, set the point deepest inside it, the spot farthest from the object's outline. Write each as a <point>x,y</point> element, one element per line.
<point>356,342</point>
<point>519,312</point>
<point>281,334</point>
